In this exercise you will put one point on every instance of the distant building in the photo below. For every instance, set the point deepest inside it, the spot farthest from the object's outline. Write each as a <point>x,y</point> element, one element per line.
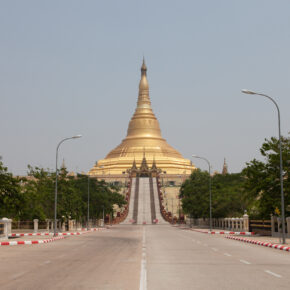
<point>225,168</point>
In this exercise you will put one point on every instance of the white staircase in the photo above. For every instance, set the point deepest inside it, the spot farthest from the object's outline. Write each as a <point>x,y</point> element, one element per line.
<point>142,206</point>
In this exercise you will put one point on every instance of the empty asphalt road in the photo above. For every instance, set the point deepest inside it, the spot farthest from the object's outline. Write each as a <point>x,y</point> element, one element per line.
<point>144,257</point>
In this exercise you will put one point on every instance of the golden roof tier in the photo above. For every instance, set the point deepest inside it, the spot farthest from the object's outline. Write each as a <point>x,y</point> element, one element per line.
<point>143,137</point>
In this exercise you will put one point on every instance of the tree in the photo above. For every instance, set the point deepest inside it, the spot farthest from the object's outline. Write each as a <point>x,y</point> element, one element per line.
<point>194,193</point>
<point>72,196</point>
<point>102,196</point>
<point>11,198</point>
<point>38,193</point>
<point>227,195</point>
<point>262,184</point>
<point>228,198</point>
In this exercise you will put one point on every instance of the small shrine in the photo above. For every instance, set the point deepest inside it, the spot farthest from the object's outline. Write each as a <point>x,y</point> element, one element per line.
<point>144,170</point>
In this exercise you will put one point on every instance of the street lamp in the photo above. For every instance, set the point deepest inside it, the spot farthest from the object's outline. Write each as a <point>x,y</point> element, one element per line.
<point>88,217</point>
<point>210,214</point>
<point>103,216</point>
<point>56,175</point>
<point>281,162</point>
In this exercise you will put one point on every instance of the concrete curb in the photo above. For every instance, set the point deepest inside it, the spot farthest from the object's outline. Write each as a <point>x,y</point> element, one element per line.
<point>59,234</point>
<point>81,233</point>
<point>29,234</point>
<point>225,233</point>
<point>59,237</point>
<point>15,243</point>
<point>265,244</point>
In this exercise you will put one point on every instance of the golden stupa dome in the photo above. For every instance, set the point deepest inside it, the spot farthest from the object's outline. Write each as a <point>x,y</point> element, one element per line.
<point>143,137</point>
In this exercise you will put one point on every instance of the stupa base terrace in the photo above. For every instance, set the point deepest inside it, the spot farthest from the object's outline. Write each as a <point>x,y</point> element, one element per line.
<point>152,195</point>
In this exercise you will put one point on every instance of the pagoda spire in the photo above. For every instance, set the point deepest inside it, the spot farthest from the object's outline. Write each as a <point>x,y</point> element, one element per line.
<point>143,68</point>
<point>143,97</point>
<point>225,168</point>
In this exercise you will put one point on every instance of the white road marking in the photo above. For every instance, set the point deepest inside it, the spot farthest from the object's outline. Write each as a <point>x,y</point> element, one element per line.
<point>45,263</point>
<point>245,262</point>
<point>227,254</point>
<point>18,275</point>
<point>274,274</point>
<point>143,274</point>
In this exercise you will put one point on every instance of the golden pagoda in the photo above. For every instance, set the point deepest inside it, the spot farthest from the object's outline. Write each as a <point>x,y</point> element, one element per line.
<point>143,139</point>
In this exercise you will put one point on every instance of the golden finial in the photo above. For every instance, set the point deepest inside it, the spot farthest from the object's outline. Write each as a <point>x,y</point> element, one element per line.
<point>143,85</point>
<point>143,68</point>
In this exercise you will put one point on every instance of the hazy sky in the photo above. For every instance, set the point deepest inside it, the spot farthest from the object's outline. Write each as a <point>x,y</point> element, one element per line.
<point>73,67</point>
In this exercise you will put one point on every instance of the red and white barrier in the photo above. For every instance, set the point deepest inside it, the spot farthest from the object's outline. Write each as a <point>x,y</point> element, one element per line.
<point>265,244</point>
<point>232,233</point>
<point>80,233</point>
<point>30,234</point>
<point>225,232</point>
<point>59,234</point>
<point>14,243</point>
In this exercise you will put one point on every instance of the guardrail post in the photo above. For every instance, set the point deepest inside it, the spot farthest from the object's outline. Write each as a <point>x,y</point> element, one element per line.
<point>7,226</point>
<point>63,227</point>
<point>35,225</point>
<point>246,222</point>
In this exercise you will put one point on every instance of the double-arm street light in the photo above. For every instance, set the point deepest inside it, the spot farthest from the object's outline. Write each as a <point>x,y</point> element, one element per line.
<point>56,176</point>
<point>281,162</point>
<point>210,215</point>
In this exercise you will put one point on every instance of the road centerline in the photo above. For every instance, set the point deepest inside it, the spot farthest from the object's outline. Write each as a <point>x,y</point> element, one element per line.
<point>227,254</point>
<point>245,262</point>
<point>143,274</point>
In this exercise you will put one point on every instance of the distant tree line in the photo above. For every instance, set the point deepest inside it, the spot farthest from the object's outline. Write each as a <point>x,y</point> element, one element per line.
<point>33,196</point>
<point>256,189</point>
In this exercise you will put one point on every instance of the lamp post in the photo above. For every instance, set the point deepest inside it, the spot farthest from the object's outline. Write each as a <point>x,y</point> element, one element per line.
<point>56,176</point>
<point>103,216</point>
<point>281,162</point>
<point>172,209</point>
<point>210,214</point>
<point>88,217</point>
